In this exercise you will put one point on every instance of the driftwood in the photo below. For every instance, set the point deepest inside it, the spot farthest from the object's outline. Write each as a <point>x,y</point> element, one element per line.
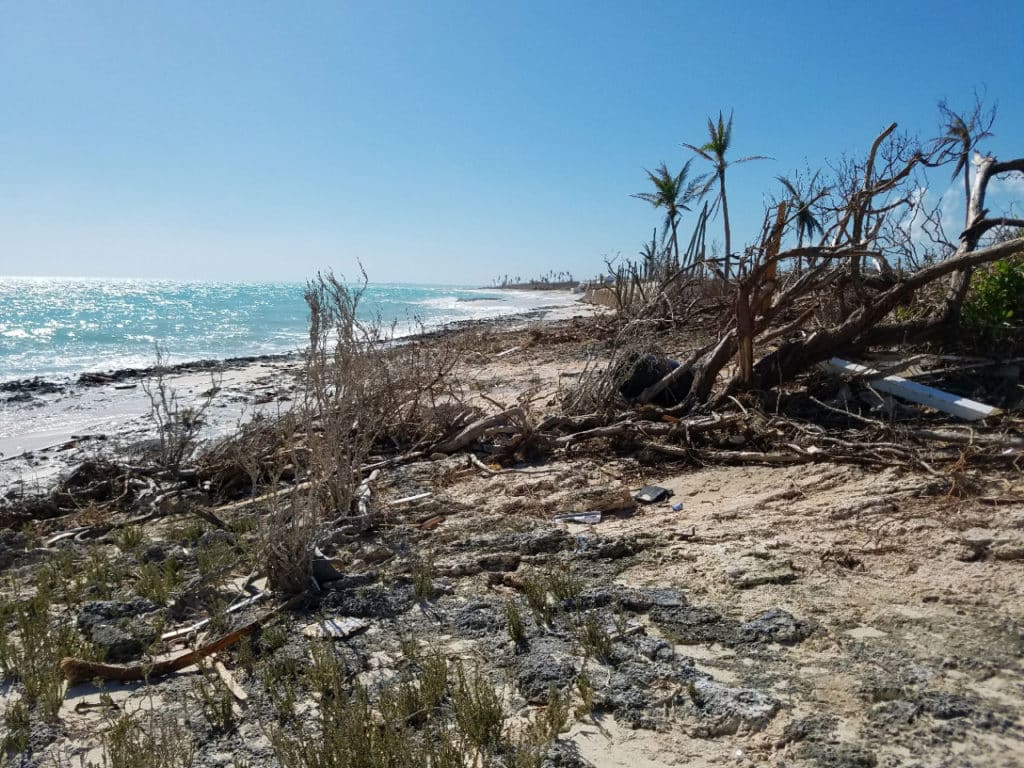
<point>77,670</point>
<point>477,429</point>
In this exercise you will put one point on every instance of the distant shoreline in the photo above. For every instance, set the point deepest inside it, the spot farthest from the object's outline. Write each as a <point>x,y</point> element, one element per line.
<point>21,389</point>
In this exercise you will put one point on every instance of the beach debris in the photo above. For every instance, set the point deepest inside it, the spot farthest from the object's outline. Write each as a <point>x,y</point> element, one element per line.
<point>233,608</point>
<point>677,507</point>
<point>335,629</point>
<point>326,568</point>
<point>409,499</point>
<point>657,380</point>
<point>507,352</point>
<point>586,518</point>
<point>76,670</point>
<point>921,394</point>
<point>431,523</point>
<point>651,494</point>
<point>229,681</point>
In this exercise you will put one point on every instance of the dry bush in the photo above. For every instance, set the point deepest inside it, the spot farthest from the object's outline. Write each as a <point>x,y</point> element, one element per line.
<point>288,537</point>
<point>262,451</point>
<point>597,388</point>
<point>346,398</point>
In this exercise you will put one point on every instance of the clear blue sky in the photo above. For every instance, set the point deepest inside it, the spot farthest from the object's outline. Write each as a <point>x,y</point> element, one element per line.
<point>439,141</point>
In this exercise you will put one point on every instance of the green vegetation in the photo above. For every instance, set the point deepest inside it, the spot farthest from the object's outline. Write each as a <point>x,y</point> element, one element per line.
<point>993,312</point>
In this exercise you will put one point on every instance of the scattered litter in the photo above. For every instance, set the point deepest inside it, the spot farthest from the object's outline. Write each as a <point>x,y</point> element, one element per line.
<point>407,499</point>
<point>651,494</point>
<point>335,628</point>
<point>677,507</point>
<point>431,523</point>
<point>186,631</point>
<point>579,517</point>
<point>229,681</point>
<point>507,352</point>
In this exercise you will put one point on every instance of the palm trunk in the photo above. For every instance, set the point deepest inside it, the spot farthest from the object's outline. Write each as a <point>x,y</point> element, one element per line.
<point>675,242</point>
<point>725,219</point>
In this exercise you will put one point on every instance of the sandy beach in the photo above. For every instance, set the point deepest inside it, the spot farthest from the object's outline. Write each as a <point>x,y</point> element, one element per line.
<point>821,614</point>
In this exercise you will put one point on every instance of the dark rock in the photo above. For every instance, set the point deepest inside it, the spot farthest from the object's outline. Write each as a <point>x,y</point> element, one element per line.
<point>117,628</point>
<point>638,690</point>
<point>946,706</point>
<point>12,547</point>
<point>725,710</point>
<point>545,542</point>
<point>121,641</point>
<point>645,599</point>
<point>547,663</point>
<point>775,626</point>
<point>827,755</point>
<point>693,624</point>
<point>373,602</point>
<point>479,619</point>
<point>564,754</point>
<point>810,728</point>
<point>98,611</point>
<point>36,385</point>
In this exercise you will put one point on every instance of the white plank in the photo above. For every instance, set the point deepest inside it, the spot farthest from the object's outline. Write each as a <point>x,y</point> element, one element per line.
<point>964,408</point>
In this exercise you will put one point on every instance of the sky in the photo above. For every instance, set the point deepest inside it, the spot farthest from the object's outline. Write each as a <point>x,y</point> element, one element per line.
<point>442,142</point>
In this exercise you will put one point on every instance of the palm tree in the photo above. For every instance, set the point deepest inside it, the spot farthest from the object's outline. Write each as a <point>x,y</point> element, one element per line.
<point>671,193</point>
<point>806,223</point>
<point>963,133</point>
<point>719,140</point>
<point>649,256</point>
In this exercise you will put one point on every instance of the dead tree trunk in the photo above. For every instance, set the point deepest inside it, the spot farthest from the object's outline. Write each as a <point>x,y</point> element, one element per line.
<point>795,356</point>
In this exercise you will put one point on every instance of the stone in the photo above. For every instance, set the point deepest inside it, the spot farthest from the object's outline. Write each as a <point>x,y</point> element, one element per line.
<point>117,627</point>
<point>545,665</point>
<point>725,710</point>
<point>775,626</point>
<point>753,572</point>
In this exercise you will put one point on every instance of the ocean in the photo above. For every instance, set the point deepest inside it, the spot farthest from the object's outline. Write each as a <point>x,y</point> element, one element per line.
<point>57,328</point>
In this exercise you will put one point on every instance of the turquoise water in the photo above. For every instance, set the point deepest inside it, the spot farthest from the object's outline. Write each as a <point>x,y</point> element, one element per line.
<point>58,328</point>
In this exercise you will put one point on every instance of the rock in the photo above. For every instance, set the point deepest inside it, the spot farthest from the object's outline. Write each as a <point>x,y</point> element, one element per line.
<point>753,572</point>
<point>12,547</point>
<point>479,619</point>
<point>828,755</point>
<point>1008,551</point>
<point>215,537</point>
<point>122,641</point>
<point>501,561</point>
<point>546,541</point>
<point>117,628</point>
<point>946,706</point>
<point>564,754</point>
<point>725,710</point>
<point>546,664</point>
<point>98,611</point>
<point>775,626</point>
<point>809,728</point>
<point>372,602</point>
<point>692,624</point>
